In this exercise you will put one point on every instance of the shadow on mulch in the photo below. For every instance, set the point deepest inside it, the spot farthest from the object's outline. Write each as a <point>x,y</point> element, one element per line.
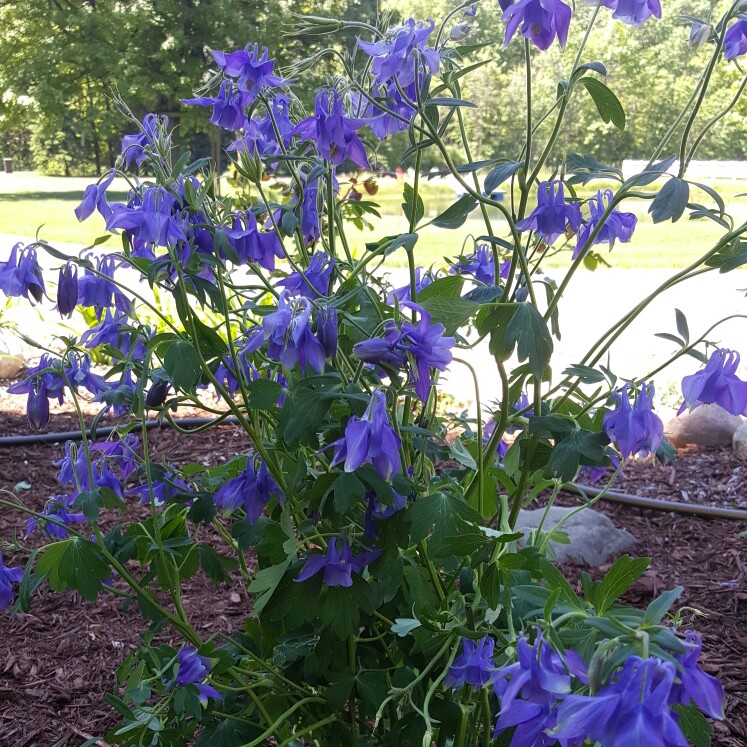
<point>57,661</point>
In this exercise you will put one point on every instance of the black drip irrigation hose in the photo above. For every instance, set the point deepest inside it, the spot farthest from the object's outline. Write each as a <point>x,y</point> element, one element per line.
<point>39,438</point>
<point>614,496</point>
<point>710,512</point>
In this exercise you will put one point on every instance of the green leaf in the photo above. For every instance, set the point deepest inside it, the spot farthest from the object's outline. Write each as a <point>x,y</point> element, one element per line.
<point>587,374</point>
<point>660,606</point>
<point>453,313</point>
<point>528,330</point>
<point>436,515</point>
<point>695,726</point>
<point>682,327</point>
<point>499,174</point>
<point>348,490</point>
<point>264,394</point>
<point>458,451</point>
<point>405,625</point>
<point>447,101</point>
<point>578,447</point>
<point>608,105</point>
<point>341,607</point>
<point>74,563</point>
<point>730,257</point>
<point>671,201</point>
<point>406,240</point>
<point>265,583</point>
<point>182,364</point>
<point>556,580</point>
<point>448,287</point>
<point>215,565</point>
<point>455,215</point>
<point>618,580</point>
<point>372,689</point>
<point>413,205</point>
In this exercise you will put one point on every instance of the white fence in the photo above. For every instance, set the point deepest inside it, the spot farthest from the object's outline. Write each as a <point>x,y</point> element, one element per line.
<point>696,169</point>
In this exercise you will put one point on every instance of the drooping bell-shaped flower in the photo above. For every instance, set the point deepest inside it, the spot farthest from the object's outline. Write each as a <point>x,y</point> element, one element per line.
<point>193,670</point>
<point>540,21</point>
<point>316,276</point>
<point>59,508</point>
<point>370,440</point>
<point>94,198</point>
<point>474,665</point>
<point>21,275</point>
<point>8,576</point>
<point>634,12</point>
<point>735,39</point>
<point>422,280</point>
<point>618,225</point>
<point>716,383</point>
<point>67,289</point>
<point>251,244</point>
<point>693,684</point>
<point>553,216</point>
<point>134,146</point>
<point>252,489</point>
<point>635,429</point>
<point>229,106</point>
<point>337,563</point>
<point>252,69</point>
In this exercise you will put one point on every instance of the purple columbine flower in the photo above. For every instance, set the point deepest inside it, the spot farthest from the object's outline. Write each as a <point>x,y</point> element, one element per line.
<point>474,666</point>
<point>422,280</point>
<point>530,688</point>
<point>387,115</point>
<point>633,12</point>
<point>79,374</point>
<point>155,219</point>
<point>326,329</point>
<point>291,340</point>
<point>122,453</point>
<point>333,133</point>
<point>502,449</point>
<point>134,146</point>
<point>541,21</point>
<point>317,277</point>
<point>717,383</point>
<point>636,429</point>
<point>58,507</point>
<point>115,330</point>
<point>553,216</point>
<point>370,440</point>
<point>252,69</point>
<point>693,684</point>
<point>397,54</point>
<point>94,198</point>
<point>251,244</point>
<point>193,670</point>
<point>97,289</point>
<point>338,564</point>
<point>22,275</point>
<point>253,488</point>
<point>632,709</point>
<point>229,106</point>
<point>618,225</point>
<point>8,576</point>
<point>378,511</point>
<point>67,290</point>
<point>480,266</point>
<point>700,33</point>
<point>422,344</point>
<point>172,486</point>
<point>735,39</point>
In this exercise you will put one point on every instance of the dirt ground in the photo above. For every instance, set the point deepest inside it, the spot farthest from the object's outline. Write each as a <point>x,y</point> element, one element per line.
<point>57,661</point>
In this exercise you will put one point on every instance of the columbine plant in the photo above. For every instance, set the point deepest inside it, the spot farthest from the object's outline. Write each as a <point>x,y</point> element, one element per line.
<point>390,602</point>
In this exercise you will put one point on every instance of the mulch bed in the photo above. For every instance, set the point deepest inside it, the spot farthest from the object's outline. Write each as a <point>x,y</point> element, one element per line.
<point>57,661</point>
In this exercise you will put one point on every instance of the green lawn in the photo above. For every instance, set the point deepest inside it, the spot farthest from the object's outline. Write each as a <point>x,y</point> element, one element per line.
<point>28,201</point>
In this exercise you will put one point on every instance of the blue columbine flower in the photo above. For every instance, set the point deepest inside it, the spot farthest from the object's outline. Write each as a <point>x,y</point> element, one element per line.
<point>260,135</point>
<point>97,289</point>
<point>391,113</point>
<point>229,106</point>
<point>22,275</point>
<point>58,507</point>
<point>553,216</point>
<point>290,338</point>
<point>338,564</point>
<point>252,69</point>
<point>378,511</point>
<point>134,147</point>
<point>333,133</point>
<point>253,488</point>
<point>8,576</point>
<point>735,39</point>
<point>251,244</point>
<point>121,453</point>
<point>631,710</point>
<point>193,670</point>
<point>530,689</point>
<point>422,280</point>
<point>717,383</point>
<point>67,289</point>
<point>317,277</point>
<point>115,330</point>
<point>693,684</point>
<point>618,225</point>
<point>474,666</point>
<point>397,54</point>
<point>42,381</point>
<point>326,329</point>
<point>541,21</point>
<point>636,429</point>
<point>634,12</point>
<point>370,440</point>
<point>480,265</point>
<point>94,198</point>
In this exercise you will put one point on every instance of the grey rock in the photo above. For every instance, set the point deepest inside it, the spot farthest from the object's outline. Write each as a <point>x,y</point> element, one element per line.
<point>739,442</point>
<point>707,425</point>
<point>10,365</point>
<point>594,538</point>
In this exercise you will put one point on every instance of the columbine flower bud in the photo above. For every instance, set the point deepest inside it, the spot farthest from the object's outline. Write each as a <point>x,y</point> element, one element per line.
<point>37,405</point>
<point>326,329</point>
<point>67,289</point>
<point>157,393</point>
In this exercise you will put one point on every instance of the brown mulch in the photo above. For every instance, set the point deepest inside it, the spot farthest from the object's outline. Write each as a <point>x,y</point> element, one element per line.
<point>58,661</point>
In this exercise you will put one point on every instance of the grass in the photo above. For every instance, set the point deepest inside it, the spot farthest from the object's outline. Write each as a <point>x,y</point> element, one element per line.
<point>28,201</point>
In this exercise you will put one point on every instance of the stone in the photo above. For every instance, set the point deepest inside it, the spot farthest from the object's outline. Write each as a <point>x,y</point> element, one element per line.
<point>739,442</point>
<point>594,538</point>
<point>10,365</point>
<point>707,425</point>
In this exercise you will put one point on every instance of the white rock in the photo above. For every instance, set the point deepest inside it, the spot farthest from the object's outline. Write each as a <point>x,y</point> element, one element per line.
<point>739,442</point>
<point>594,539</point>
<point>10,365</point>
<point>707,425</point>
